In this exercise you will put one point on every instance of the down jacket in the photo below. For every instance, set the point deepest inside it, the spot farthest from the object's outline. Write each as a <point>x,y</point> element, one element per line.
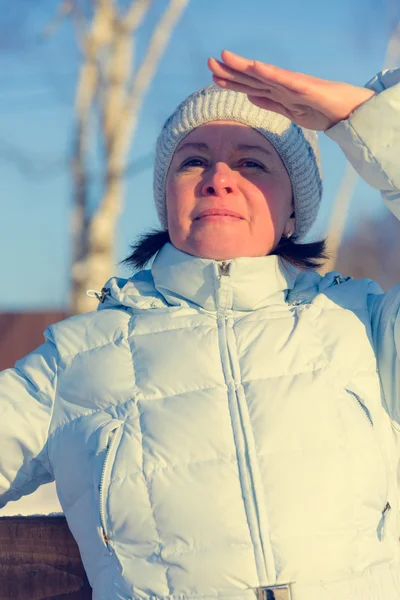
<point>220,427</point>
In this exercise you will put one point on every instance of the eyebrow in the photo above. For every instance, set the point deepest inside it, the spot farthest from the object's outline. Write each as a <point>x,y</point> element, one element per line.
<point>254,147</point>
<point>194,145</point>
<point>202,147</point>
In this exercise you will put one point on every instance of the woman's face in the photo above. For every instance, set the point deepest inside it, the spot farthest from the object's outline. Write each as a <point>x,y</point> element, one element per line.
<point>228,193</point>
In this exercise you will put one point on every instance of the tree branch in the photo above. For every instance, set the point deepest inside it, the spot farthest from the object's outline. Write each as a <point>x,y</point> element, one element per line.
<point>128,120</point>
<point>64,9</point>
<point>134,16</point>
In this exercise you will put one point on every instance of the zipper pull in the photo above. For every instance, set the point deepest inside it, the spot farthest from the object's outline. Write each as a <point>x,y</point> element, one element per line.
<point>106,541</point>
<point>224,268</point>
<point>387,507</point>
<point>105,538</point>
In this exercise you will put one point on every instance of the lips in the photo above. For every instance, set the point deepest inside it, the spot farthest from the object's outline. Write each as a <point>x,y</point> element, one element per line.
<point>218,212</point>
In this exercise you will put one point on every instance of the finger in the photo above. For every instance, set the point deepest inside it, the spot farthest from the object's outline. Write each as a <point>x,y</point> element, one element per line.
<point>268,104</point>
<point>240,87</point>
<point>236,61</point>
<point>266,73</point>
<point>295,82</point>
<point>223,71</point>
<point>294,112</point>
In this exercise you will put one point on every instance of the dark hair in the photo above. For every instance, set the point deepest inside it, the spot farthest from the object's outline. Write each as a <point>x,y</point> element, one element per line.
<point>305,256</point>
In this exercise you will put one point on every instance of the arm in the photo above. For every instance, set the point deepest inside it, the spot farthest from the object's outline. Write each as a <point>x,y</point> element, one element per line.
<point>370,138</point>
<point>384,311</point>
<point>365,122</point>
<point>26,405</point>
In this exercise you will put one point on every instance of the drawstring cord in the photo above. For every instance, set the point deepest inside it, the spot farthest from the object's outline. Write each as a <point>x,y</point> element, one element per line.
<point>99,295</point>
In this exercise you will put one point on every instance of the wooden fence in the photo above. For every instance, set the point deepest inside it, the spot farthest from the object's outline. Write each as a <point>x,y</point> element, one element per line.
<point>39,560</point>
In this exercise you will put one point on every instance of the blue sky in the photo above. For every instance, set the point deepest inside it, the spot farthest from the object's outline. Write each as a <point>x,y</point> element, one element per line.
<point>341,40</point>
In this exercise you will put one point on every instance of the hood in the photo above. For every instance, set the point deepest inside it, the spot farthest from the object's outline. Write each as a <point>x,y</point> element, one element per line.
<point>180,279</point>
<point>137,292</point>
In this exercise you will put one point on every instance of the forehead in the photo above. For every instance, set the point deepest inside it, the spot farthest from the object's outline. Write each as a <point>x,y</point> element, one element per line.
<point>227,133</point>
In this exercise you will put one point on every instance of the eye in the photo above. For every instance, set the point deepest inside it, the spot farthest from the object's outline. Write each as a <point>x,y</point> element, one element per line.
<point>252,164</point>
<point>194,161</point>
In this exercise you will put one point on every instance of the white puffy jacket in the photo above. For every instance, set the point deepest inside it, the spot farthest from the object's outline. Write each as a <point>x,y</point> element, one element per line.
<point>219,428</point>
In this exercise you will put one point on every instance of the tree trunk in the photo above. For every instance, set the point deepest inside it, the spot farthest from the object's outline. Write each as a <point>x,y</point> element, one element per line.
<point>120,96</point>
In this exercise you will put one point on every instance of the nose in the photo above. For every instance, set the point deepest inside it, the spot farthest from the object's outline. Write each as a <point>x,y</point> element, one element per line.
<point>219,181</point>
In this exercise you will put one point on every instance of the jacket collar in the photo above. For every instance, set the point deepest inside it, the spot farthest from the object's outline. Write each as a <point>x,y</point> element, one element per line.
<point>253,283</point>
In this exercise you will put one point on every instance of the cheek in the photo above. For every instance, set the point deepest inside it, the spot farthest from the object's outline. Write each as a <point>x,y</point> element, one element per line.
<point>260,198</point>
<point>179,197</point>
<point>274,201</point>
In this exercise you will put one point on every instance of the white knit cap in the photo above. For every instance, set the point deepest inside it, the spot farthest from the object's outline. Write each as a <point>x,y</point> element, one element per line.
<point>297,147</point>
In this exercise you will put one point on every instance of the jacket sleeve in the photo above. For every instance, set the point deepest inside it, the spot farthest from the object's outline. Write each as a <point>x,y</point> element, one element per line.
<point>370,139</point>
<point>26,406</point>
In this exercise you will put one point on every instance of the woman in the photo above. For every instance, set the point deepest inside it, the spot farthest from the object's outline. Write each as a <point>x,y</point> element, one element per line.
<point>226,425</point>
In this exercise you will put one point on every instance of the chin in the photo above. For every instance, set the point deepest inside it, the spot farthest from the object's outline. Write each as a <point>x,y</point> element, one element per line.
<point>217,251</point>
<point>217,246</point>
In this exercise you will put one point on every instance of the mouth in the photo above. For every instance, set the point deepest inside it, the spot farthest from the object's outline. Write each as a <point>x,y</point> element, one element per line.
<point>212,215</point>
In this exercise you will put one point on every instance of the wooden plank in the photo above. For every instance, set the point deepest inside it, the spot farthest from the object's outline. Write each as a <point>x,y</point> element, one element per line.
<point>40,560</point>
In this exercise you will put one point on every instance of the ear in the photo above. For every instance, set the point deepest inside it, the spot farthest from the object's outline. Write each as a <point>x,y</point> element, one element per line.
<point>290,226</point>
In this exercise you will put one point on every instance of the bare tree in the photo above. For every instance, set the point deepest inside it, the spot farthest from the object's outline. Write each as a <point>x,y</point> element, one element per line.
<point>109,96</point>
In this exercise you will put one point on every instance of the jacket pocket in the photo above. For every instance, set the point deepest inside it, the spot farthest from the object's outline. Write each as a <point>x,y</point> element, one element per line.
<point>365,415</point>
<point>113,435</point>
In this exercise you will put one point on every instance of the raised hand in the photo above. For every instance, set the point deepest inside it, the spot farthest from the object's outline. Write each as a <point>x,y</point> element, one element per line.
<point>308,101</point>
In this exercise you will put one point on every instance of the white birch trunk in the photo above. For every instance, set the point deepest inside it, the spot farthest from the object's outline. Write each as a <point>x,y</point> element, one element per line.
<point>120,96</point>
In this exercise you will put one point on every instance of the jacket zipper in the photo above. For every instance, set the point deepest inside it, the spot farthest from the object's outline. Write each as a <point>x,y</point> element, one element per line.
<point>224,268</point>
<point>101,489</point>
<point>263,570</point>
<point>387,506</point>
